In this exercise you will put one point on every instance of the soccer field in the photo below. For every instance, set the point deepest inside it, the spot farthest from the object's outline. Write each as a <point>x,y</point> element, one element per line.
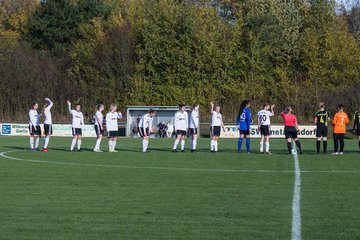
<point>165,195</point>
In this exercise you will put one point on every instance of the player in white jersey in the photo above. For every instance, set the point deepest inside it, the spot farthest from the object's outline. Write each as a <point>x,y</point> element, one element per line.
<point>98,126</point>
<point>216,125</point>
<point>194,126</point>
<point>34,126</point>
<point>181,125</point>
<point>112,126</point>
<point>264,116</point>
<point>77,123</point>
<point>47,123</point>
<point>145,128</point>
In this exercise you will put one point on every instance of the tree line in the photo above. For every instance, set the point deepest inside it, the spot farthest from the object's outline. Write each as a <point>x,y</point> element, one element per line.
<point>165,52</point>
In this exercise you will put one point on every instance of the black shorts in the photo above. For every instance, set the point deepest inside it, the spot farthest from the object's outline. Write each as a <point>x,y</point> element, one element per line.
<point>48,129</point>
<point>143,132</point>
<point>290,132</point>
<point>265,130</point>
<point>34,130</point>
<point>181,132</point>
<point>244,132</point>
<point>98,130</point>
<point>193,131</point>
<point>321,131</point>
<point>113,134</point>
<point>215,131</point>
<point>76,131</point>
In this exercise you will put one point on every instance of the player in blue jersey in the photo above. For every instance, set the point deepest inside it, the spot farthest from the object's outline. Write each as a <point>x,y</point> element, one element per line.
<point>244,122</point>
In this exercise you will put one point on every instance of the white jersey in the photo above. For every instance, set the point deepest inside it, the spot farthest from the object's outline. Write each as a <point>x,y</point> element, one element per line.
<point>194,119</point>
<point>34,117</point>
<point>112,121</point>
<point>181,121</point>
<point>264,117</point>
<point>77,118</point>
<point>47,113</point>
<point>146,121</point>
<point>98,115</point>
<point>216,119</point>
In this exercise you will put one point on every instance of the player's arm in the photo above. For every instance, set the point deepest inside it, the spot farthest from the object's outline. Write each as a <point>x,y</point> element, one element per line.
<point>69,106</point>
<point>187,121</point>
<point>272,110</point>
<point>211,107</point>
<point>50,103</point>
<point>248,118</point>
<point>259,121</point>
<point>82,120</point>
<point>119,115</point>
<point>315,118</point>
<point>296,124</point>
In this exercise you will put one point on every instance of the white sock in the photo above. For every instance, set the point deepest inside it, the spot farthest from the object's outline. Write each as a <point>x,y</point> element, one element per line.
<point>37,141</point>
<point>114,145</point>
<point>175,144</point>
<point>261,147</point>
<point>212,144</point>
<point>145,145</point>
<point>267,147</point>
<point>194,144</point>
<point>79,144</point>
<point>46,141</point>
<point>97,145</point>
<point>73,144</point>
<point>182,144</point>
<point>32,142</point>
<point>216,145</point>
<point>111,145</point>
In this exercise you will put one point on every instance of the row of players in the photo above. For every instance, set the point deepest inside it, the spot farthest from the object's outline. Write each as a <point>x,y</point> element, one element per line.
<point>184,124</point>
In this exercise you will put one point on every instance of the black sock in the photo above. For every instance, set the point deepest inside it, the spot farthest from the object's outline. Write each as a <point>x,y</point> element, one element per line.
<point>318,146</point>
<point>289,146</point>
<point>298,144</point>
<point>325,146</point>
<point>359,143</point>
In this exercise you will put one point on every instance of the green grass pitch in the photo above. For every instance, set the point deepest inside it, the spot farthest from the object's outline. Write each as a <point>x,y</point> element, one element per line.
<point>165,195</point>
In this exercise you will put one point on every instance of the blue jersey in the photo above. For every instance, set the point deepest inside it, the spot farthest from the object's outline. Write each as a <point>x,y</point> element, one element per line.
<point>244,120</point>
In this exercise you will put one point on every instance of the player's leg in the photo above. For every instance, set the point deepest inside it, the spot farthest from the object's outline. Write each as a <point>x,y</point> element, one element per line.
<point>177,140</point>
<point>267,144</point>
<point>336,143</point>
<point>240,141</point>
<point>31,130</point>
<point>182,142</point>
<point>114,144</point>
<point>247,136</point>
<point>288,142</point>
<point>38,136</point>
<point>79,142</point>
<point>261,145</point>
<point>216,138</point>
<point>342,142</point>
<point>73,142</point>
<point>318,141</point>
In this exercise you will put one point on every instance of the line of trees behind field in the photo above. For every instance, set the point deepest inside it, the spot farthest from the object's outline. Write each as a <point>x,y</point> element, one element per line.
<point>165,52</point>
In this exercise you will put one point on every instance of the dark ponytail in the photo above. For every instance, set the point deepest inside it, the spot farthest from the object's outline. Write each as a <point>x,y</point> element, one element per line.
<point>241,109</point>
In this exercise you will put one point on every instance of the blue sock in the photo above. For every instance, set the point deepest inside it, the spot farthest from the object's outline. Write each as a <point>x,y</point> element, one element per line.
<point>239,144</point>
<point>248,144</point>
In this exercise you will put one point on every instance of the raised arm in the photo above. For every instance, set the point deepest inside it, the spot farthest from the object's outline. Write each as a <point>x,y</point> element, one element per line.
<point>272,110</point>
<point>69,106</point>
<point>211,107</point>
<point>50,103</point>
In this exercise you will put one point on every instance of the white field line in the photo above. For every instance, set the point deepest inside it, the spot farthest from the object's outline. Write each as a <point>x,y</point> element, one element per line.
<point>296,214</point>
<point>5,156</point>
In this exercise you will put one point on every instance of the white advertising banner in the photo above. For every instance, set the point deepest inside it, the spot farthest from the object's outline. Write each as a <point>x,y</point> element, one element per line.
<point>276,131</point>
<point>60,130</point>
